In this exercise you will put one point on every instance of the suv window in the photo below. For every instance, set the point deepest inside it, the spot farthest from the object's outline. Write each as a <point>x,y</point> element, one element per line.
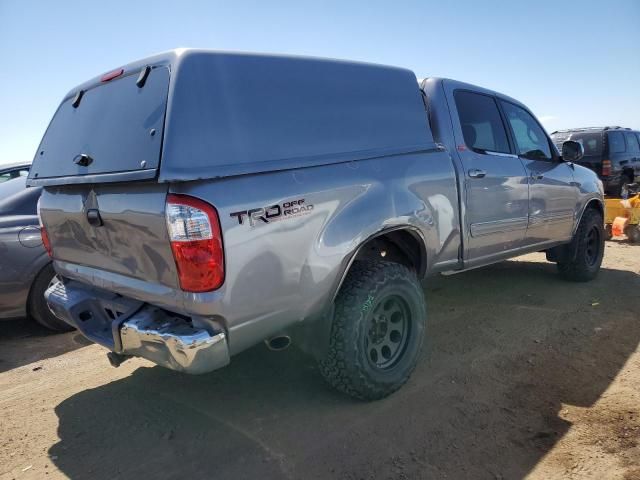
<point>481,123</point>
<point>616,142</point>
<point>632,142</point>
<point>531,141</point>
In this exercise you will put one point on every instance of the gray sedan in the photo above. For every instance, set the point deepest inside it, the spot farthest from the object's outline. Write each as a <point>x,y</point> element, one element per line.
<point>25,268</point>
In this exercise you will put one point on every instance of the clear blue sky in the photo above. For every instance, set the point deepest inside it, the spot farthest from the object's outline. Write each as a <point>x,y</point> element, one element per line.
<point>574,63</point>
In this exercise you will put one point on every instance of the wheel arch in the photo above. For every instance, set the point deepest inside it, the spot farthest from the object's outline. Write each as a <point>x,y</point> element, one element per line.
<point>403,244</point>
<point>593,203</point>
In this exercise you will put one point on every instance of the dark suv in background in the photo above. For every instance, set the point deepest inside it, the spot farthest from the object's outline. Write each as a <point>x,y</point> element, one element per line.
<point>612,152</point>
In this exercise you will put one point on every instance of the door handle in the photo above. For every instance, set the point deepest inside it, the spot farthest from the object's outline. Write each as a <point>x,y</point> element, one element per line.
<point>537,176</point>
<point>477,173</point>
<point>94,218</point>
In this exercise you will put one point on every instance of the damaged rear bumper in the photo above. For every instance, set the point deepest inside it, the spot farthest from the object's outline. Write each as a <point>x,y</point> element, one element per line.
<point>131,327</point>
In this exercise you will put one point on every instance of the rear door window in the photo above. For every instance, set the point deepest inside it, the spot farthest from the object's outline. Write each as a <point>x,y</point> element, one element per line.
<point>531,141</point>
<point>616,142</point>
<point>481,124</point>
<point>632,142</point>
<point>592,145</point>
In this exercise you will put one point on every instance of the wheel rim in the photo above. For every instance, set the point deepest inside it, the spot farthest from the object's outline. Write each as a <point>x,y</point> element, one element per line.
<point>388,332</point>
<point>593,246</point>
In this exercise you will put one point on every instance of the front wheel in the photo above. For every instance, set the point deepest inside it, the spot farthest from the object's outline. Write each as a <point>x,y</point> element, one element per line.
<point>584,256</point>
<point>377,331</point>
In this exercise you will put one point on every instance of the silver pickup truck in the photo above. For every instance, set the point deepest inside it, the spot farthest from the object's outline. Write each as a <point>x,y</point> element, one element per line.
<point>197,203</point>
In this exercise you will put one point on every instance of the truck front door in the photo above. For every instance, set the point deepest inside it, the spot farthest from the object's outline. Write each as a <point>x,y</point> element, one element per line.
<point>495,192</point>
<point>553,195</point>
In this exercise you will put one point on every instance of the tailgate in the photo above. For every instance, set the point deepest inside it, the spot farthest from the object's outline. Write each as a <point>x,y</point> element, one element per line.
<point>108,131</point>
<point>130,238</point>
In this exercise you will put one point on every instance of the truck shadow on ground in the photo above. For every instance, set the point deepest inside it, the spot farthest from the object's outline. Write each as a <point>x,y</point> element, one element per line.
<point>42,343</point>
<point>510,345</point>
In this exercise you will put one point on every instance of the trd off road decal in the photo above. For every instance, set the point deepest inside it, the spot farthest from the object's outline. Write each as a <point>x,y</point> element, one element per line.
<point>273,213</point>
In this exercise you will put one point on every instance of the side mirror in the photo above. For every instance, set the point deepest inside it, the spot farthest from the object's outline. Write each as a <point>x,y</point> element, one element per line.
<point>572,151</point>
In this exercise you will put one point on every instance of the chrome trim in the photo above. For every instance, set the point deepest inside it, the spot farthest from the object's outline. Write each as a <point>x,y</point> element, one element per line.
<point>500,154</point>
<point>172,342</point>
<point>546,218</point>
<point>499,226</point>
<point>129,327</point>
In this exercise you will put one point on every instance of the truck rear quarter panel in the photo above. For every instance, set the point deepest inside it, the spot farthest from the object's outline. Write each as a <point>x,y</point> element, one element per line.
<point>289,235</point>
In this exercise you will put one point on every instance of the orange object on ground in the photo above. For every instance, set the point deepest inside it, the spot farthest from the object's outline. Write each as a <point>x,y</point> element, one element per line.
<point>619,224</point>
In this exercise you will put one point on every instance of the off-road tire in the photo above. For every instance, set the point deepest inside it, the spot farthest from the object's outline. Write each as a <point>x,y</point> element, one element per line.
<point>37,305</point>
<point>369,287</point>
<point>584,258</point>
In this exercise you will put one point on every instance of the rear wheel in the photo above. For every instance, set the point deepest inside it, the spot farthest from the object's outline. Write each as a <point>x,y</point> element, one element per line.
<point>377,331</point>
<point>584,256</point>
<point>38,307</point>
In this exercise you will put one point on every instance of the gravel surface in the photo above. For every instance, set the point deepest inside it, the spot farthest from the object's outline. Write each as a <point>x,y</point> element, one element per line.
<point>525,375</point>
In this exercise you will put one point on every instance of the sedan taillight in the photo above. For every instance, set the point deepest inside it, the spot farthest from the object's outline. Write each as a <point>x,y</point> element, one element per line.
<point>196,243</point>
<point>43,233</point>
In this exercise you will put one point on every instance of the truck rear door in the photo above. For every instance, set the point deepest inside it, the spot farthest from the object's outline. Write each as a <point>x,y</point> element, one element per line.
<point>496,190</point>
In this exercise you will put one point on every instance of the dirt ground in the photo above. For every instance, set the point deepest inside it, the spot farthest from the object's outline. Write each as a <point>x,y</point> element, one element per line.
<point>525,376</point>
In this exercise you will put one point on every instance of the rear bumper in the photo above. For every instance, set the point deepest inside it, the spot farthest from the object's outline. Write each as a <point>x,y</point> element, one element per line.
<point>131,327</point>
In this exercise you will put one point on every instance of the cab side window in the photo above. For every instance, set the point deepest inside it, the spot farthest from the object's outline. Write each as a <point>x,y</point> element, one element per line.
<point>531,141</point>
<point>482,126</point>
<point>616,142</point>
<point>632,142</point>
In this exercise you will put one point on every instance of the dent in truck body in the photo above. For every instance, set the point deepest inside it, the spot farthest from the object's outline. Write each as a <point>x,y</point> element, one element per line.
<point>351,140</point>
<point>301,259</point>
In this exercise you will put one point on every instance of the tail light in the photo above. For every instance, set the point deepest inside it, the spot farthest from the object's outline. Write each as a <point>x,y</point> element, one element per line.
<point>111,75</point>
<point>43,233</point>
<point>606,168</point>
<point>196,242</point>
